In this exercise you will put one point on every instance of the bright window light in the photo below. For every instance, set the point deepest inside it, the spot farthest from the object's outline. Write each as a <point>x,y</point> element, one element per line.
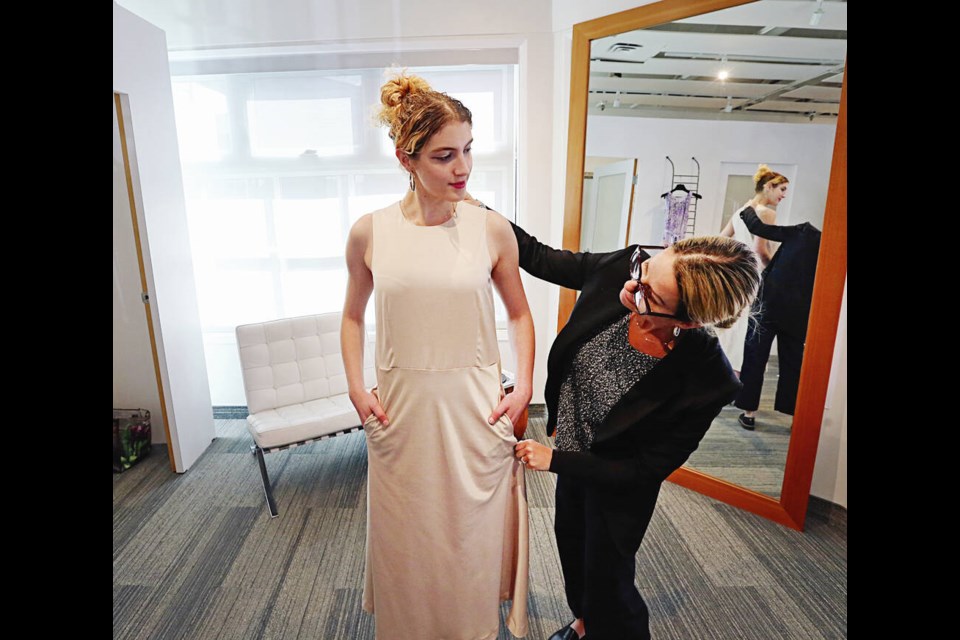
<point>308,228</point>
<point>289,128</point>
<point>201,114</point>
<point>226,228</point>
<point>481,105</point>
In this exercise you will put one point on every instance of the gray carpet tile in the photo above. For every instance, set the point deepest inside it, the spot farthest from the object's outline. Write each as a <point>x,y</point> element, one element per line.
<point>196,555</point>
<point>754,459</point>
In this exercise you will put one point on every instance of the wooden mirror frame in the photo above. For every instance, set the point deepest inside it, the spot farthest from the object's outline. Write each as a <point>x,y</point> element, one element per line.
<point>791,508</point>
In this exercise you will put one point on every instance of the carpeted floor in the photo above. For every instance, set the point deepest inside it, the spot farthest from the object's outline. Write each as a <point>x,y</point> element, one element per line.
<point>196,555</point>
<point>752,459</point>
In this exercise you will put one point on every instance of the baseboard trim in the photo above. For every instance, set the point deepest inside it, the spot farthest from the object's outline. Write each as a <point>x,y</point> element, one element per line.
<point>829,511</point>
<point>235,412</point>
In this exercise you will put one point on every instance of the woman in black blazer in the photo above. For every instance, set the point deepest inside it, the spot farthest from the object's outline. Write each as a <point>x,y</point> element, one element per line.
<point>629,396</point>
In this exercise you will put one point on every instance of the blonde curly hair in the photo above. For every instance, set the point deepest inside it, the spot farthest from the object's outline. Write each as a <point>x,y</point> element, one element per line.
<point>766,175</point>
<point>413,112</point>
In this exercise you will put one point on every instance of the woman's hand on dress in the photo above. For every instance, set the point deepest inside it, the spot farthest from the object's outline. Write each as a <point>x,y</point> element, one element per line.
<point>533,455</point>
<point>628,295</point>
<point>367,402</point>
<point>513,405</point>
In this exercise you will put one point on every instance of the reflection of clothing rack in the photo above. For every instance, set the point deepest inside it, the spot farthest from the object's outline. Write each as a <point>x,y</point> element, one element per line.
<point>681,223</point>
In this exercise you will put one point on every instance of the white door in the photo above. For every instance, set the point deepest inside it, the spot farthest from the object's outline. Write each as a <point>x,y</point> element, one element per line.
<point>608,222</point>
<point>136,382</point>
<point>174,349</point>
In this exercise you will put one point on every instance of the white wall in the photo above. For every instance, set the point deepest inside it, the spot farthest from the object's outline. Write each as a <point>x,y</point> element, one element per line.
<point>830,472</point>
<point>567,13</point>
<point>141,70</point>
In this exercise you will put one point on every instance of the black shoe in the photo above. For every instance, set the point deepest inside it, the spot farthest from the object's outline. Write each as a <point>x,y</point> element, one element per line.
<point>567,633</point>
<point>747,423</point>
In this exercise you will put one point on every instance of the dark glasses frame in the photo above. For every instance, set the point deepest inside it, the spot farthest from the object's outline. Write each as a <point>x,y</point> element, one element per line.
<point>643,290</point>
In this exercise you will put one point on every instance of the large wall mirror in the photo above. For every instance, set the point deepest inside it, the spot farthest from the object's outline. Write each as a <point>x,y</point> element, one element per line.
<point>647,89</point>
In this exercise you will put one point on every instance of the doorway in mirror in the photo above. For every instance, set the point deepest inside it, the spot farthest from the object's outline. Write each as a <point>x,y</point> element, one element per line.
<point>607,203</point>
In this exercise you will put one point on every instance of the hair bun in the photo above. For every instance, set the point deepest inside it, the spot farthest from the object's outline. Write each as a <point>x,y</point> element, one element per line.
<point>395,90</point>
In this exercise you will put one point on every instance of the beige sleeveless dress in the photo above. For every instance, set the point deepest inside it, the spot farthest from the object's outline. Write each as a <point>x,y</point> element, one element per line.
<point>447,532</point>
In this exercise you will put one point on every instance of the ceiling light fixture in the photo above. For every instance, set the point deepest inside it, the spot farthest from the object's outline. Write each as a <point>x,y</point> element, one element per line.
<point>817,14</point>
<point>723,73</point>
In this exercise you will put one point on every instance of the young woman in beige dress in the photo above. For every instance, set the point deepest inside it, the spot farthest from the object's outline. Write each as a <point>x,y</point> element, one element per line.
<point>447,534</point>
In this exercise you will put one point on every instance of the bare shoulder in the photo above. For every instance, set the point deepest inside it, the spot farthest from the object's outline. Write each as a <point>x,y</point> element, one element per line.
<point>362,229</point>
<point>766,214</point>
<point>360,239</point>
<point>498,227</point>
<point>501,241</point>
<point>363,225</point>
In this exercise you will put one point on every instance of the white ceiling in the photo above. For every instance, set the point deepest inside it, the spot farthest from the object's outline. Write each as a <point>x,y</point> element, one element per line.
<point>785,65</point>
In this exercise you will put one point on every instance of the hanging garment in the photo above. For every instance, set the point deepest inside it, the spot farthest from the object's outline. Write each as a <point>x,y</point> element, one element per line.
<point>677,208</point>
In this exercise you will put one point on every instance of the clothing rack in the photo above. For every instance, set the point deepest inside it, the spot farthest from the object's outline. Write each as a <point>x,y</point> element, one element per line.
<point>690,182</point>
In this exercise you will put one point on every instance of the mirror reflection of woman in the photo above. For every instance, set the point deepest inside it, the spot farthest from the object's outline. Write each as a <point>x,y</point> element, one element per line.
<point>634,380</point>
<point>447,536</point>
<point>770,188</point>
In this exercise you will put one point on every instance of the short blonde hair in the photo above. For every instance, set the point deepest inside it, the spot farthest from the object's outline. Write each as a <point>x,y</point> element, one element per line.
<point>718,278</point>
<point>766,175</point>
<point>413,112</point>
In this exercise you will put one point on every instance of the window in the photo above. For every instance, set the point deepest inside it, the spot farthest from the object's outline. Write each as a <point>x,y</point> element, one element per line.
<point>277,167</point>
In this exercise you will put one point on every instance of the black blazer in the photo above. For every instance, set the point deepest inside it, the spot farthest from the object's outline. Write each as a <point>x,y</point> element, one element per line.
<point>659,422</point>
<point>788,280</point>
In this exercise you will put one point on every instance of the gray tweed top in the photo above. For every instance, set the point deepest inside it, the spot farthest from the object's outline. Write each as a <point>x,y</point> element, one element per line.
<point>604,368</point>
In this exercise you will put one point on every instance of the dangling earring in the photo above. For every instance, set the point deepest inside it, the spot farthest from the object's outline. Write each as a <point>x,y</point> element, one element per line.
<point>413,183</point>
<point>676,331</point>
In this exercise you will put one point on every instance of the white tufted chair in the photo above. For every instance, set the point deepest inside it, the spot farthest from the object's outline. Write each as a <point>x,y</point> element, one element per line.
<point>295,385</point>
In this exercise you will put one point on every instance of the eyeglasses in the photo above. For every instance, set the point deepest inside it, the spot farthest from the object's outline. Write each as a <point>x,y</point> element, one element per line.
<point>643,291</point>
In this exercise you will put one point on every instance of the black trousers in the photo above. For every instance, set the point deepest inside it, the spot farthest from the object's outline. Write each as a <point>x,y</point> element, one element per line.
<point>598,579</point>
<point>756,352</point>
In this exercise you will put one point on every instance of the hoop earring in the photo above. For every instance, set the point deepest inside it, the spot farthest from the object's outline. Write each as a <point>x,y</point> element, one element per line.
<point>676,331</point>
<point>413,183</point>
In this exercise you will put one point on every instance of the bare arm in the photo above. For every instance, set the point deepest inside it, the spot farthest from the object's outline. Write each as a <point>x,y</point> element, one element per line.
<point>352,329</point>
<point>506,279</point>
